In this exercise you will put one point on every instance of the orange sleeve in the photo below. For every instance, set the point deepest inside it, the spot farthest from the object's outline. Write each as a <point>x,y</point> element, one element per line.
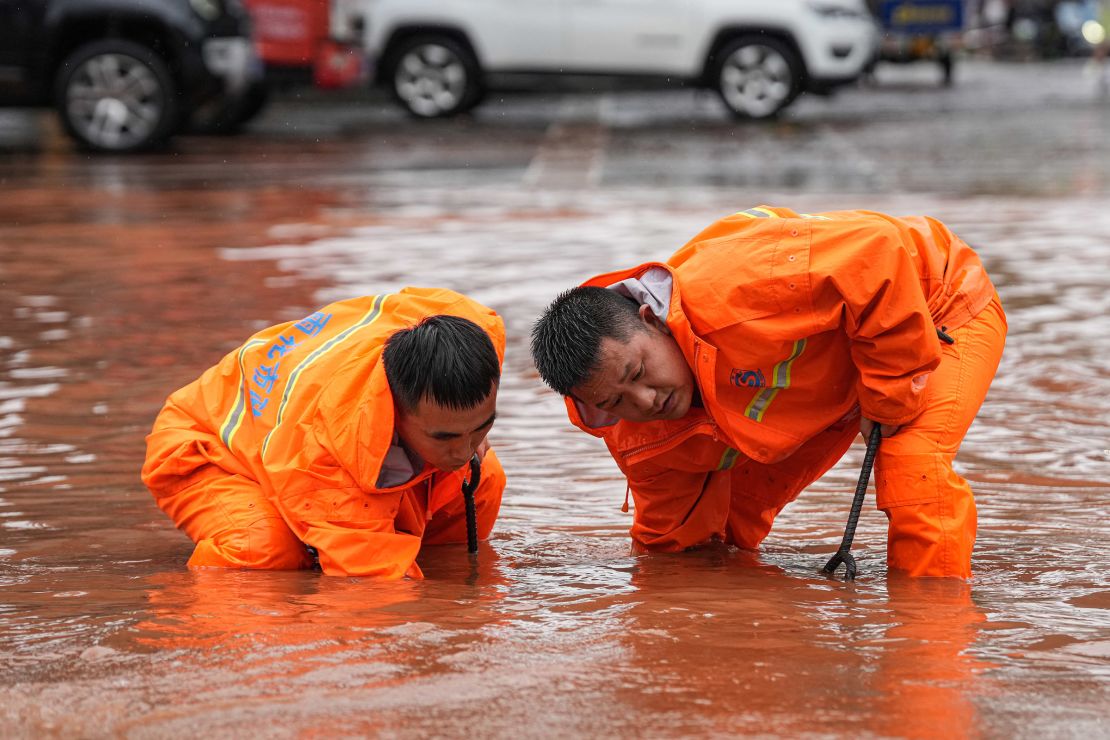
<point>345,551</point>
<point>356,543</point>
<point>677,509</point>
<point>864,275</point>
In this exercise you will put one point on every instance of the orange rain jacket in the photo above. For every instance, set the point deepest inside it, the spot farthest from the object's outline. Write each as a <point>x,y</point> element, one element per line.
<point>790,323</point>
<point>304,409</point>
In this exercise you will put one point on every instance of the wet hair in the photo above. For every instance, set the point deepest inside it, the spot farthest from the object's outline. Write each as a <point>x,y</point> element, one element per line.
<point>448,360</point>
<point>566,339</point>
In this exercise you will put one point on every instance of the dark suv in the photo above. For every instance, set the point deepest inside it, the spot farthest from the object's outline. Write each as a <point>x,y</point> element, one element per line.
<point>123,74</point>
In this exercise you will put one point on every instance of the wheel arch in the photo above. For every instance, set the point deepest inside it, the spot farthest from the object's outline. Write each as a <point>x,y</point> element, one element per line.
<point>730,33</point>
<point>407,31</point>
<point>76,31</point>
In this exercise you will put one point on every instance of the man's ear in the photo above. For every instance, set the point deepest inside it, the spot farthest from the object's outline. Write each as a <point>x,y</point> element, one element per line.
<point>651,320</point>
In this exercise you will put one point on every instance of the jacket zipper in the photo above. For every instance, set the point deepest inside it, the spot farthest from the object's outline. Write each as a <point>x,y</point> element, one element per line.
<point>705,407</point>
<point>671,441</point>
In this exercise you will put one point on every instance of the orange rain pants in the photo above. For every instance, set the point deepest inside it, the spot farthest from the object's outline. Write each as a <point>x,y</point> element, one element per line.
<point>929,506</point>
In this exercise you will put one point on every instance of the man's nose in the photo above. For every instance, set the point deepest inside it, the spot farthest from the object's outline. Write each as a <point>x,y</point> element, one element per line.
<point>645,400</point>
<point>468,444</point>
<point>463,448</point>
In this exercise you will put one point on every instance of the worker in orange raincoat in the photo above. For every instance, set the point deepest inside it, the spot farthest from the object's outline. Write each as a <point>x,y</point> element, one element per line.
<point>729,378</point>
<point>347,432</point>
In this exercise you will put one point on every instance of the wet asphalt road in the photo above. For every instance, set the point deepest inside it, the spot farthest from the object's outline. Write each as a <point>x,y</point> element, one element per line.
<point>1031,129</point>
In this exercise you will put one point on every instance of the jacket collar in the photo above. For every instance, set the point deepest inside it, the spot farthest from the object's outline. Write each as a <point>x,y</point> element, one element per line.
<point>376,420</point>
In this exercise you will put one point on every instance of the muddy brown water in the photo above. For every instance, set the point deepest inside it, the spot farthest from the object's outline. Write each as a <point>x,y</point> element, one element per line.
<point>123,279</point>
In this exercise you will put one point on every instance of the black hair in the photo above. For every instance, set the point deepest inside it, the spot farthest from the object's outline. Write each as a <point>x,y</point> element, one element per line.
<point>566,339</point>
<point>448,360</point>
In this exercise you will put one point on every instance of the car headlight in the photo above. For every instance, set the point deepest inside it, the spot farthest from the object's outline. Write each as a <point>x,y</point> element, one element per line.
<point>1093,33</point>
<point>209,10</point>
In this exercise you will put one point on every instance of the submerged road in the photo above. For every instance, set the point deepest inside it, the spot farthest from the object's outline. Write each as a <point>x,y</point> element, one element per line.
<point>122,278</point>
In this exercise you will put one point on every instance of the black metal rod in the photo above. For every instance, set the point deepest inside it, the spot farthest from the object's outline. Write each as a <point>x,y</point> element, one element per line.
<point>843,553</point>
<point>468,489</point>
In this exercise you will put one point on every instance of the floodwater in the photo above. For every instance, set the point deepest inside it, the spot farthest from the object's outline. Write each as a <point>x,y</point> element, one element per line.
<point>122,279</point>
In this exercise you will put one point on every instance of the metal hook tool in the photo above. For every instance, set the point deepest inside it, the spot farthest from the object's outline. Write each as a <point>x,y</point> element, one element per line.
<point>468,489</point>
<point>843,553</point>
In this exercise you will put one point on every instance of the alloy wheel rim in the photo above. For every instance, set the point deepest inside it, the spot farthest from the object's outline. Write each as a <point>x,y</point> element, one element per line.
<point>756,80</point>
<point>430,79</point>
<point>115,101</point>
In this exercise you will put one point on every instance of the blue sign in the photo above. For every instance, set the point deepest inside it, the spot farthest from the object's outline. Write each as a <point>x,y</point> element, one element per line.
<point>922,16</point>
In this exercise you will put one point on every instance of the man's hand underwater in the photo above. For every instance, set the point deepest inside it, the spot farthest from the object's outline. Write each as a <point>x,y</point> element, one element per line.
<point>866,425</point>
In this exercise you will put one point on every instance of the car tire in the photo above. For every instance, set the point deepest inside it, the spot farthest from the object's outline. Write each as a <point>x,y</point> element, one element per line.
<point>116,96</point>
<point>434,76</point>
<point>947,66</point>
<point>757,76</point>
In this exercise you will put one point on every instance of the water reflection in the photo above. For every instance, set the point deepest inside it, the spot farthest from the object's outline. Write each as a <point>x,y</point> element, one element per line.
<point>713,643</point>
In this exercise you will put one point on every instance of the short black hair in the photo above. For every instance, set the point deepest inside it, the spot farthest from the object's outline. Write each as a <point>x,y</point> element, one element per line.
<point>566,339</point>
<point>448,360</point>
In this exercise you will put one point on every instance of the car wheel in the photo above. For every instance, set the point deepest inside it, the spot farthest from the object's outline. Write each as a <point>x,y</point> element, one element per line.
<point>116,96</point>
<point>757,77</point>
<point>946,67</point>
<point>435,76</point>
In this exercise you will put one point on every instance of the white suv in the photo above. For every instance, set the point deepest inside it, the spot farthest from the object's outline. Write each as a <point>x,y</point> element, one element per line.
<point>440,56</point>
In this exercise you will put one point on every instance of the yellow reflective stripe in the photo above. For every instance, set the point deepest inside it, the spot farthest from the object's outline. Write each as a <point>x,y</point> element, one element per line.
<point>758,213</point>
<point>727,459</point>
<point>368,318</point>
<point>234,418</point>
<point>780,378</point>
<point>816,218</point>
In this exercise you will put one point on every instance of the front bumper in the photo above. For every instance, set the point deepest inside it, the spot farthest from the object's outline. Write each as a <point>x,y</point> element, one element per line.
<point>234,62</point>
<point>840,49</point>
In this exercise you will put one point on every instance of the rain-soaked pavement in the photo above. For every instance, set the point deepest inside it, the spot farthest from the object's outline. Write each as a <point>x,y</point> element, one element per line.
<point>122,278</point>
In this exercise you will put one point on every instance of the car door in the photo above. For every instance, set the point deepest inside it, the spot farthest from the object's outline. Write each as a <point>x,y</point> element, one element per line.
<point>20,28</point>
<point>515,34</point>
<point>631,36</point>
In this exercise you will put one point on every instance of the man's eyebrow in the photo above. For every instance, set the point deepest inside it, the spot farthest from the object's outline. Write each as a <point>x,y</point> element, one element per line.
<point>452,435</point>
<point>606,405</point>
<point>487,422</point>
<point>627,371</point>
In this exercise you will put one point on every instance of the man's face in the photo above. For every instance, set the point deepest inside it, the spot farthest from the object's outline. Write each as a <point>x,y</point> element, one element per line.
<point>446,438</point>
<point>643,379</point>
